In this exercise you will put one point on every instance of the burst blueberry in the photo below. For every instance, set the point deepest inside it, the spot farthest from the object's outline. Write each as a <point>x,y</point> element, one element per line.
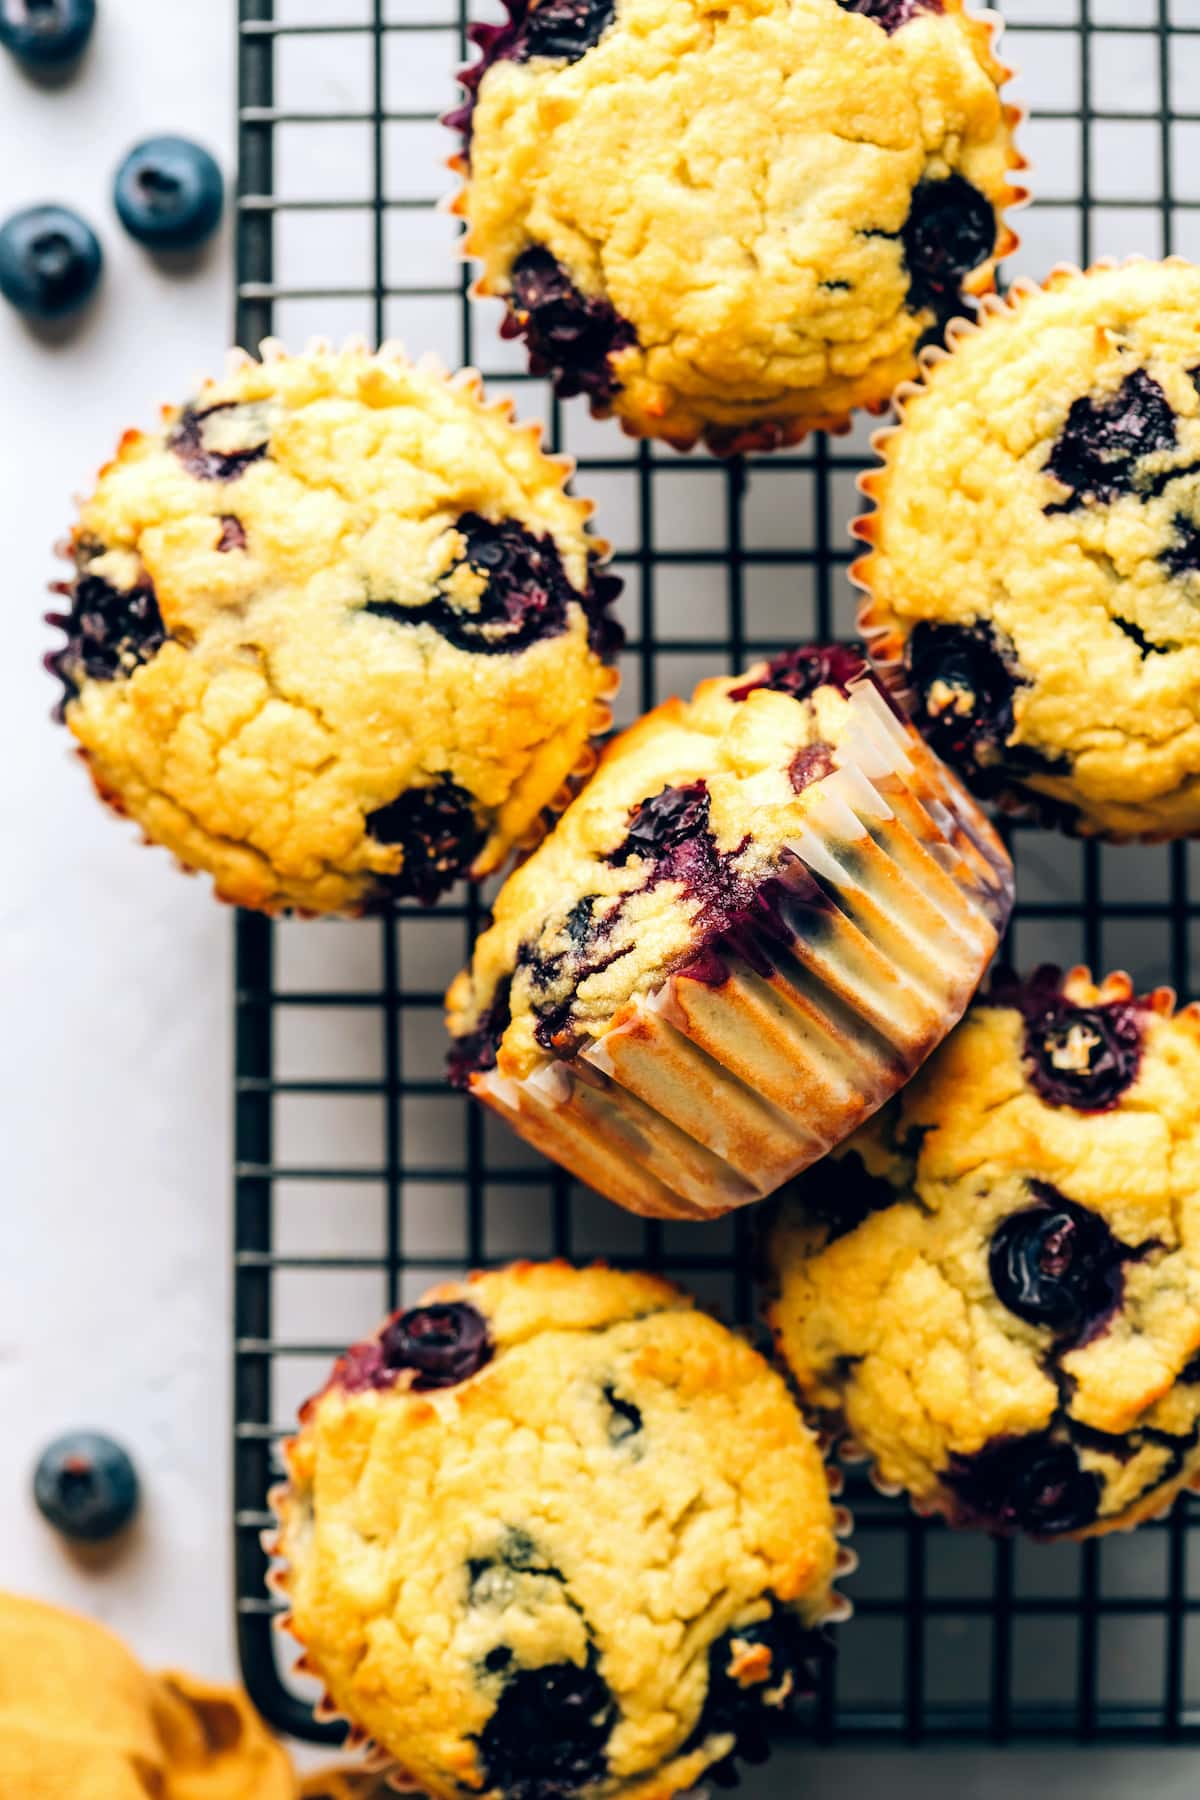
<point>664,821</point>
<point>439,833</point>
<point>1106,438</point>
<point>46,33</point>
<point>110,631</point>
<point>891,14</point>
<point>169,193</point>
<point>950,230</point>
<point>1057,1264</point>
<point>50,262</point>
<point>569,335</point>
<point>562,29</point>
<point>445,1344</point>
<point>189,439</point>
<point>548,1736</point>
<point>799,673</point>
<point>86,1486</point>
<point>1084,1057</point>
<point>1032,1484</point>
<point>963,684</point>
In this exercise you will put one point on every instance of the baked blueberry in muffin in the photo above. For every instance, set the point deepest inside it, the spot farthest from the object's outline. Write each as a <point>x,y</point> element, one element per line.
<point>337,634</point>
<point>1032,580</point>
<point>764,910</point>
<point>604,1510</point>
<point>994,1286</point>
<point>698,221</point>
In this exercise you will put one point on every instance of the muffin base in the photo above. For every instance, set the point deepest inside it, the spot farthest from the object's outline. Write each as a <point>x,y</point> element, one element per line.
<point>705,1096</point>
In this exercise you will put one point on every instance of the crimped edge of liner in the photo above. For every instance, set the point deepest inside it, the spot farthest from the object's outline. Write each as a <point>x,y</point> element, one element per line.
<point>984,28</point>
<point>866,1044</point>
<point>469,381</point>
<point>374,1759</point>
<point>840,1445</point>
<point>880,627</point>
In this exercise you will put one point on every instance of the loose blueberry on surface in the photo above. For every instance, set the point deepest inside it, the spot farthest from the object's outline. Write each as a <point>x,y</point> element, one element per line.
<point>1084,1057</point>
<point>50,262</point>
<point>891,14</point>
<point>963,683</point>
<point>950,230</point>
<point>475,1052</point>
<point>437,829</point>
<point>1032,1484</point>
<point>169,193</point>
<point>569,336</point>
<point>445,1343</point>
<point>548,1736</point>
<point>110,631</point>
<point>188,440</point>
<point>799,673</point>
<point>86,1487</point>
<point>1057,1264</point>
<point>46,32</point>
<point>663,822</point>
<point>1104,439</point>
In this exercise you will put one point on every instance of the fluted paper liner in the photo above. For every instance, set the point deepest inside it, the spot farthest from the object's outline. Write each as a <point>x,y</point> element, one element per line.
<point>984,28</point>
<point>699,1099</point>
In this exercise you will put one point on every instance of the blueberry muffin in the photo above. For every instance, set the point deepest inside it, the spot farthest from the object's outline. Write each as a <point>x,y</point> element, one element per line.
<point>336,633</point>
<point>762,913</point>
<point>555,1532</point>
<point>734,222</point>
<point>996,1284</point>
<point>1034,577</point>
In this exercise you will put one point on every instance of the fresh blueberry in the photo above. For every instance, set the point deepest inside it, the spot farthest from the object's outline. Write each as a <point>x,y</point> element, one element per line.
<point>46,32</point>
<point>1103,441</point>
<point>445,1343</point>
<point>799,673</point>
<point>548,1736</point>
<point>1032,1484</point>
<point>569,336</point>
<point>950,230</point>
<point>1057,1264</point>
<point>86,1487</point>
<point>50,262</point>
<point>169,193</point>
<point>440,836</point>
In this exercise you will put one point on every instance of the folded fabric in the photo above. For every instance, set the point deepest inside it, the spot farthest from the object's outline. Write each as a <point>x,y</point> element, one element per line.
<point>80,1719</point>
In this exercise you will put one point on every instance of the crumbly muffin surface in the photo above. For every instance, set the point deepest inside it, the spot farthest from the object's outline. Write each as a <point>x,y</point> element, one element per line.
<point>736,221</point>
<point>557,1532</point>
<point>996,1282</point>
<point>1037,550</point>
<point>689,814</point>
<point>336,631</point>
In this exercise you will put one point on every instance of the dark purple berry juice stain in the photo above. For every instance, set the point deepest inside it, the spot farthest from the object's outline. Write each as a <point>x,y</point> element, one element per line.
<point>570,336</point>
<point>1032,1484</point>
<point>799,673</point>
<point>527,596</point>
<point>963,681</point>
<point>1182,557</point>
<point>1098,451</point>
<point>563,30</point>
<point>1085,1057</point>
<point>438,831</point>
<point>188,441</point>
<point>891,14</point>
<point>841,1194</point>
<point>813,763</point>
<point>110,632</point>
<point>1058,1265</point>
<point>476,1051</point>
<point>949,232</point>
<point>548,1737</point>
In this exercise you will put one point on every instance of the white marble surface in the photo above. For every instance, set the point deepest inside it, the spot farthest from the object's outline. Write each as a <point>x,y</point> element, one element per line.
<point>114,972</point>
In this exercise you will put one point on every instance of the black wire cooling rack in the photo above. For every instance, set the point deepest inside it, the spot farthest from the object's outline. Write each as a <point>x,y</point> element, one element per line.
<point>359,1178</point>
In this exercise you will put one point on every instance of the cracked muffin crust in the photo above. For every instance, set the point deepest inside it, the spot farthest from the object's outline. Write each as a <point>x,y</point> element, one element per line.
<point>764,910</point>
<point>337,634</point>
<point>1034,576</point>
<point>556,1532</point>
<point>995,1285</point>
<point>735,222</point>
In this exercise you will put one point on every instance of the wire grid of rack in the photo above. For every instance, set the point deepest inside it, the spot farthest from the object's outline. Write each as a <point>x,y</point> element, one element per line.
<point>359,1178</point>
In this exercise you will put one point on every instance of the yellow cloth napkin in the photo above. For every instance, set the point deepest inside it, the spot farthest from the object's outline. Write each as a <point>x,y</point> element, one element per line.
<point>80,1719</point>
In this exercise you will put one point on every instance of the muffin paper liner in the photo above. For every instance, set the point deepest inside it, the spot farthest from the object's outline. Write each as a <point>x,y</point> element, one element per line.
<point>492,857</point>
<point>878,626</point>
<point>698,1099</point>
<point>373,1758</point>
<point>984,28</point>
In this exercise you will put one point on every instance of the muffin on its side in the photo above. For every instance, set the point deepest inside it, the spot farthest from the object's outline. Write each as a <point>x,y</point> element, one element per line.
<point>337,634</point>
<point>734,222</point>
<point>996,1284</point>
<point>555,1531</point>
<point>1034,576</point>
<point>765,909</point>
